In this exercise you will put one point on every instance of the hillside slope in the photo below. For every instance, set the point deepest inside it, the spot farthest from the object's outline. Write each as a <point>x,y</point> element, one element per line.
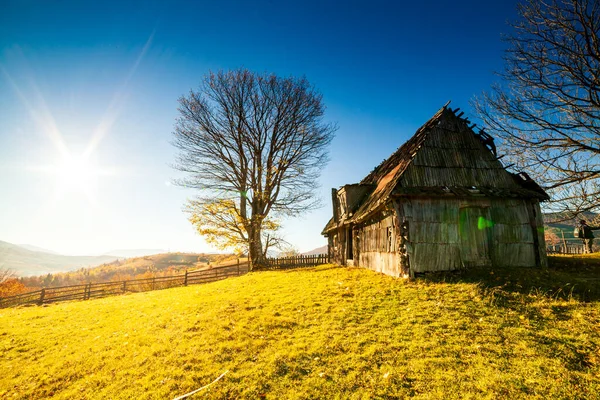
<point>319,333</point>
<point>132,268</point>
<point>565,227</point>
<point>318,250</point>
<point>27,262</point>
<point>130,253</point>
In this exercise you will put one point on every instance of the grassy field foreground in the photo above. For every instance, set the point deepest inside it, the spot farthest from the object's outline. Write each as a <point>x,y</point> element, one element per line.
<point>318,333</point>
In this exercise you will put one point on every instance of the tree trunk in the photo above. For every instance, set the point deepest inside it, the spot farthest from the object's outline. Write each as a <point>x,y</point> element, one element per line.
<point>257,258</point>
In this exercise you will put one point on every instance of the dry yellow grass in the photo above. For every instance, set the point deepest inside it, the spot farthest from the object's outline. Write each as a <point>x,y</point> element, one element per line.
<point>327,332</point>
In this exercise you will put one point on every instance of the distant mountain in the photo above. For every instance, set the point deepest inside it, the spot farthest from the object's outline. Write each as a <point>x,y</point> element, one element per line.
<point>26,262</point>
<point>318,250</point>
<point>566,219</point>
<point>129,253</point>
<point>36,249</point>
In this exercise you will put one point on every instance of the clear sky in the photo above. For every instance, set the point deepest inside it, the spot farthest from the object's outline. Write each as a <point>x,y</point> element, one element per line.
<point>88,99</point>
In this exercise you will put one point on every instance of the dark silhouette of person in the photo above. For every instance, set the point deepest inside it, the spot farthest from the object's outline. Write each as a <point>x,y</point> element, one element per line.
<point>584,232</point>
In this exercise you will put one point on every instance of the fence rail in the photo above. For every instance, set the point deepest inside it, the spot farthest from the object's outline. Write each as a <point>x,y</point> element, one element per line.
<point>297,261</point>
<point>568,249</point>
<point>97,290</point>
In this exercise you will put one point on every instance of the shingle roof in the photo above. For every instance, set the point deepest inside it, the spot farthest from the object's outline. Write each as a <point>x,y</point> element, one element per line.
<point>444,157</point>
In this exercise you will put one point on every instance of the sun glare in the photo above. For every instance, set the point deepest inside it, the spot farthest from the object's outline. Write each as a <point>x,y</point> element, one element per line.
<point>76,174</point>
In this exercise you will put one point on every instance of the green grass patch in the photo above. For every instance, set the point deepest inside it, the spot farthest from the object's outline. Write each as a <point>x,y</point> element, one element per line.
<point>327,332</point>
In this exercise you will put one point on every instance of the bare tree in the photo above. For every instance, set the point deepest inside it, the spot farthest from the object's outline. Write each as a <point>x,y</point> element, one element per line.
<point>6,274</point>
<point>257,140</point>
<point>547,108</point>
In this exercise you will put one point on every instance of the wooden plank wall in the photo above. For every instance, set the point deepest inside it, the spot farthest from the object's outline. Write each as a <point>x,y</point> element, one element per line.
<point>513,244</point>
<point>337,246</point>
<point>434,232</point>
<point>376,245</point>
<point>434,242</point>
<point>384,262</point>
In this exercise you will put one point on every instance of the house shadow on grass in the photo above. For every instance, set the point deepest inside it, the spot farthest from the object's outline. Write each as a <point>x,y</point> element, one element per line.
<point>567,277</point>
<point>541,298</point>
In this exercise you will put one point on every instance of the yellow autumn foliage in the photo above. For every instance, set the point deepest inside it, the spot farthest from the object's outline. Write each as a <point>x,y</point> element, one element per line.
<point>222,226</point>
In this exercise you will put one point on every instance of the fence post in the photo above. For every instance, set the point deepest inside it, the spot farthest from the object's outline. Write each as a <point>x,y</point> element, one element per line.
<point>42,295</point>
<point>124,286</point>
<point>153,283</point>
<point>238,266</point>
<point>185,278</point>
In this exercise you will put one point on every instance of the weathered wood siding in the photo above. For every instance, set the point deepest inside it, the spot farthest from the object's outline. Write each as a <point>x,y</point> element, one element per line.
<point>433,237</point>
<point>337,246</point>
<point>447,234</point>
<point>376,245</point>
<point>383,262</point>
<point>513,244</point>
<point>539,229</point>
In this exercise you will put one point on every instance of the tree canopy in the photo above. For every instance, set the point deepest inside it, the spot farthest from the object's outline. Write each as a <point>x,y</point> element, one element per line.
<point>546,109</point>
<point>253,145</point>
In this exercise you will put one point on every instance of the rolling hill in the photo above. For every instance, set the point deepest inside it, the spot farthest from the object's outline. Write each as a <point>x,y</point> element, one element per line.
<point>156,263</point>
<point>165,264</point>
<point>129,253</point>
<point>27,262</point>
<point>318,250</point>
<point>564,227</point>
<point>36,248</point>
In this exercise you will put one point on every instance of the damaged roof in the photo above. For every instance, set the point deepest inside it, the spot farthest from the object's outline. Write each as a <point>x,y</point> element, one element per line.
<point>445,157</point>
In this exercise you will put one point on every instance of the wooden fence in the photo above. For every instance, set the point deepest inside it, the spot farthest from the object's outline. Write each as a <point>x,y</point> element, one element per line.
<point>297,261</point>
<point>568,249</point>
<point>97,290</point>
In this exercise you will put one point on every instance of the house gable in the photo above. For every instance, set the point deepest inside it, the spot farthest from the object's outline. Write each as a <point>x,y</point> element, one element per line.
<point>445,157</point>
<point>452,155</point>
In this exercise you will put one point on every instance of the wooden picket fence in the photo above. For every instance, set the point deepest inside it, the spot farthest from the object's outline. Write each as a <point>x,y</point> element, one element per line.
<point>297,261</point>
<point>568,249</point>
<point>97,290</point>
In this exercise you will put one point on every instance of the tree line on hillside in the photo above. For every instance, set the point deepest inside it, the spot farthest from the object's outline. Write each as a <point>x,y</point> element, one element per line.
<point>118,270</point>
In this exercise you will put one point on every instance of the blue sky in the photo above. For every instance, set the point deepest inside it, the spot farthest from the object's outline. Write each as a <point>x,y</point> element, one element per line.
<point>103,78</point>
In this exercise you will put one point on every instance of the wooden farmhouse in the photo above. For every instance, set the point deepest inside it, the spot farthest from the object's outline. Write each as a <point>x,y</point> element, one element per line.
<point>442,201</point>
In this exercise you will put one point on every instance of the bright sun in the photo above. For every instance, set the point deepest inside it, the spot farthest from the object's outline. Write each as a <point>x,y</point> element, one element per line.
<point>76,174</point>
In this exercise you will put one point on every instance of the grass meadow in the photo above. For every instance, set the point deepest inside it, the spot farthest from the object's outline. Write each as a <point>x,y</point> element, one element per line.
<point>319,333</point>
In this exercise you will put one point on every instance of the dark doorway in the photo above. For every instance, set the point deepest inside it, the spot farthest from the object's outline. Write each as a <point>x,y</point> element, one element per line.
<point>350,252</point>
